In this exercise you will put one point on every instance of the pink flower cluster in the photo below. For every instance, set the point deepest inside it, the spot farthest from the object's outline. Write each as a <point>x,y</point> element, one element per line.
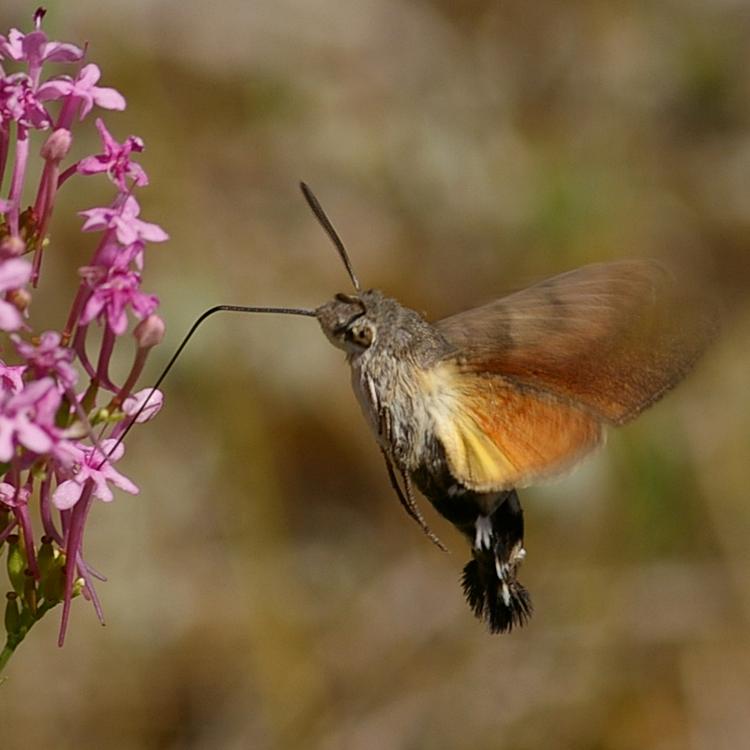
<point>62,415</point>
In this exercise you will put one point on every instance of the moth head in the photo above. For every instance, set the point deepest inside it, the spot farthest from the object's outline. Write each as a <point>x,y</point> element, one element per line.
<point>347,323</point>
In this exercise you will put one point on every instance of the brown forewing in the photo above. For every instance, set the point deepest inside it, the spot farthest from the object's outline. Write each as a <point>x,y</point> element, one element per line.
<point>609,337</point>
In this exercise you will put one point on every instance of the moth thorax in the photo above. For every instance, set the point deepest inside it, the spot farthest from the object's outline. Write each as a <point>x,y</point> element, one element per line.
<point>388,390</point>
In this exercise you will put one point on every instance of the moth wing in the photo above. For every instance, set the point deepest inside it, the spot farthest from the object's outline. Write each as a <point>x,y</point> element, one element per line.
<point>497,436</point>
<point>609,337</point>
<point>535,375</point>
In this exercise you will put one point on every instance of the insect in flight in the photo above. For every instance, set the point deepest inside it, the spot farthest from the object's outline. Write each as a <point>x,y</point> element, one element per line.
<point>478,405</point>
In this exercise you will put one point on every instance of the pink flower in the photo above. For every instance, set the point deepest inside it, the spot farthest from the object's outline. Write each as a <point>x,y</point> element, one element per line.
<point>14,273</point>
<point>97,467</point>
<point>84,90</point>
<point>19,103</point>
<point>11,377</point>
<point>28,418</point>
<point>153,399</point>
<point>12,497</point>
<point>111,296</point>
<point>48,358</point>
<point>48,448</point>
<point>35,49</point>
<point>124,220</point>
<point>115,160</point>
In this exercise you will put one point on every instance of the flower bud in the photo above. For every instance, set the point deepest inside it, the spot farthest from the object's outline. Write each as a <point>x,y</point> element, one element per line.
<point>149,332</point>
<point>16,564</point>
<point>52,570</point>
<point>56,147</point>
<point>46,556</point>
<point>12,615</point>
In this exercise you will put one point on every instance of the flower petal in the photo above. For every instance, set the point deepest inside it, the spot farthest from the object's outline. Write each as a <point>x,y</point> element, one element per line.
<point>34,391</point>
<point>101,488</point>
<point>151,232</point>
<point>61,52</point>
<point>93,307</point>
<point>14,273</point>
<point>91,165</point>
<point>88,76</point>
<point>120,481</point>
<point>114,446</point>
<point>55,88</point>
<point>33,437</point>
<point>108,98</point>
<point>6,439</point>
<point>10,318</point>
<point>67,494</point>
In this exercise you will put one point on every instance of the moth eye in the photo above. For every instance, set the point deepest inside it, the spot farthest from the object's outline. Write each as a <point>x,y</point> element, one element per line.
<point>360,336</point>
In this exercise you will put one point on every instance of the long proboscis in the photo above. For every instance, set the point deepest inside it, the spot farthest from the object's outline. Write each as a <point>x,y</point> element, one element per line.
<point>201,318</point>
<point>330,230</point>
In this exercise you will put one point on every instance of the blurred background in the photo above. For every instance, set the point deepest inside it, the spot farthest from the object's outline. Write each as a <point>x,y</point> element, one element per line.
<point>265,588</point>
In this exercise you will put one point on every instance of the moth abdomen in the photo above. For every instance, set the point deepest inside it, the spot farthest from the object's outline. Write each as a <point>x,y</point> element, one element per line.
<point>492,522</point>
<point>490,580</point>
<point>501,604</point>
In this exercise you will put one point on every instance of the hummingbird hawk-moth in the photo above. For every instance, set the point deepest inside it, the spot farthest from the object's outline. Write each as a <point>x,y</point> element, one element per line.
<point>476,406</point>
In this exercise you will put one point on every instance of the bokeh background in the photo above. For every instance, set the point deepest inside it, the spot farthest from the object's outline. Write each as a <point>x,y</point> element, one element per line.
<point>266,590</point>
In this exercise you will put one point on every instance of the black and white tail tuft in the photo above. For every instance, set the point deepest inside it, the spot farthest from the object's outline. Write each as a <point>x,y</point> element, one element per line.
<point>489,579</point>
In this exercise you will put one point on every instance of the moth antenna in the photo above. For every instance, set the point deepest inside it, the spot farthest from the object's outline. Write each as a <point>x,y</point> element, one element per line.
<point>201,318</point>
<point>325,222</point>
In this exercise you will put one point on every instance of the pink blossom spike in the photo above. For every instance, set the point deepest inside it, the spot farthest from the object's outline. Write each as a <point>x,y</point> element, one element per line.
<point>54,428</point>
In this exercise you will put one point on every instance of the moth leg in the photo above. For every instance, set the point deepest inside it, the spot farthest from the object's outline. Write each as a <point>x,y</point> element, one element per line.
<point>489,579</point>
<point>406,498</point>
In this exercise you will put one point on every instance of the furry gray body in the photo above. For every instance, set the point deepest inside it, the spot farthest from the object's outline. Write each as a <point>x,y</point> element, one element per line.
<point>387,346</point>
<point>384,376</point>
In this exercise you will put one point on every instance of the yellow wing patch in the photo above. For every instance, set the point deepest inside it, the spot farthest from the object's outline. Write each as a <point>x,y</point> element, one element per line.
<point>497,436</point>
